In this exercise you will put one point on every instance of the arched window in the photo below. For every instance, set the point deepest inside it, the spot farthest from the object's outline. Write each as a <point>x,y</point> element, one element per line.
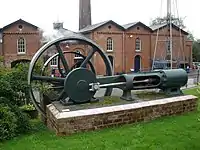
<point>54,61</point>
<point>168,46</point>
<point>76,55</point>
<point>109,44</point>
<point>77,58</point>
<point>137,44</point>
<point>21,45</point>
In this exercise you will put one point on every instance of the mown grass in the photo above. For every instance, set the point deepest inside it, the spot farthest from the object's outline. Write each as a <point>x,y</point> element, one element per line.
<point>168,133</point>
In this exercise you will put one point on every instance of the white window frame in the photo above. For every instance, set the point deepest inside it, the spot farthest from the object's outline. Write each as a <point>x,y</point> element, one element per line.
<point>138,41</point>
<point>168,45</point>
<point>54,62</point>
<point>109,44</point>
<point>19,51</point>
<point>78,57</point>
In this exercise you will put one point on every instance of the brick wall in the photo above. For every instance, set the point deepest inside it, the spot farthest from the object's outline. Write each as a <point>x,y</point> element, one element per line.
<point>124,46</point>
<point>66,123</point>
<point>11,34</point>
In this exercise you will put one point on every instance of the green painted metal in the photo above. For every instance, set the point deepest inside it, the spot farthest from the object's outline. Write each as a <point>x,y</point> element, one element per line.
<point>173,78</point>
<point>77,85</point>
<point>168,81</point>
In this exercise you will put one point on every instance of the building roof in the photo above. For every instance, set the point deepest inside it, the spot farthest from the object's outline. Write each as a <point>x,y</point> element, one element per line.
<point>129,25</point>
<point>123,27</point>
<point>98,25</point>
<point>156,27</point>
<point>56,33</point>
<point>133,24</point>
<point>19,21</point>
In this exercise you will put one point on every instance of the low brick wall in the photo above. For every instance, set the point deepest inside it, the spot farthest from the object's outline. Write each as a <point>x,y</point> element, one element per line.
<point>66,123</point>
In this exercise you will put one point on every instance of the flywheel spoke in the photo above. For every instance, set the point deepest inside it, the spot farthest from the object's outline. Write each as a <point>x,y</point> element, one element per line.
<point>87,59</point>
<point>62,57</point>
<point>57,87</point>
<point>59,68</point>
<point>49,79</point>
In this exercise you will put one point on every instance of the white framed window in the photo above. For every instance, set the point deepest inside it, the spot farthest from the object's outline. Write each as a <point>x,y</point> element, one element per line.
<point>138,44</point>
<point>21,46</point>
<point>77,56</point>
<point>168,46</point>
<point>109,44</point>
<point>54,61</point>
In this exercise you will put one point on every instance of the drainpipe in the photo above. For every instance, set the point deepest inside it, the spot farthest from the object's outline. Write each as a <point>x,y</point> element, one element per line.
<point>3,53</point>
<point>93,58</point>
<point>123,54</point>
<point>150,59</point>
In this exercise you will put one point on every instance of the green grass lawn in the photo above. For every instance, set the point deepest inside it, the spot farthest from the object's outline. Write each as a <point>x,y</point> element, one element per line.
<point>168,133</point>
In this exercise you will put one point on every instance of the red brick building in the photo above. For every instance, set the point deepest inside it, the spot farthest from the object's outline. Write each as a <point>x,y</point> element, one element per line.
<point>132,46</point>
<point>18,42</point>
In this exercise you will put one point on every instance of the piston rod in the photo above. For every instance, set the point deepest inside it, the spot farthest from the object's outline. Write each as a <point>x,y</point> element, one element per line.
<point>97,86</point>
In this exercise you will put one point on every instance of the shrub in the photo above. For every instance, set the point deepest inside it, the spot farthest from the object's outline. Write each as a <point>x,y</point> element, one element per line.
<point>13,93</point>
<point>28,107</point>
<point>18,121</point>
<point>6,90</point>
<point>18,81</point>
<point>15,82</point>
<point>8,122</point>
<point>30,110</point>
<point>23,123</point>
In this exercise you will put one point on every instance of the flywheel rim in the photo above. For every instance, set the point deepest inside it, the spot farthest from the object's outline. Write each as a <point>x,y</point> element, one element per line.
<point>38,54</point>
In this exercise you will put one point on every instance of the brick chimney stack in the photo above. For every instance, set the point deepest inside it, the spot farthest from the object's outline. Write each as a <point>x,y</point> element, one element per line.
<point>84,13</point>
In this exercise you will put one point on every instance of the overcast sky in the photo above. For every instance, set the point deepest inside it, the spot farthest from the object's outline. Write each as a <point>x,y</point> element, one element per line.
<point>43,13</point>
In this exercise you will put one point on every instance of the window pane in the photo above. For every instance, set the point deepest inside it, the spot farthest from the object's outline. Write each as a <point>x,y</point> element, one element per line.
<point>137,44</point>
<point>21,45</point>
<point>109,44</point>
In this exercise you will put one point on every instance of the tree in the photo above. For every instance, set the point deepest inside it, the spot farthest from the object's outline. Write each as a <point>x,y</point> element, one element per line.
<point>195,47</point>
<point>196,50</point>
<point>190,36</point>
<point>180,23</point>
<point>162,20</point>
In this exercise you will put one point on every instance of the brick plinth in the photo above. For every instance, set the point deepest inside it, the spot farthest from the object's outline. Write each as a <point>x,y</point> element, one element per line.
<point>66,123</point>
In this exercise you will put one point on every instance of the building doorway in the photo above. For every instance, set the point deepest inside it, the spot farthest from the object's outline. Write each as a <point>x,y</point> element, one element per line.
<point>24,61</point>
<point>137,63</point>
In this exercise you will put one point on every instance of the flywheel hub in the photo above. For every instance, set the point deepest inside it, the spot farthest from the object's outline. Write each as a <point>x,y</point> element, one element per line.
<point>77,85</point>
